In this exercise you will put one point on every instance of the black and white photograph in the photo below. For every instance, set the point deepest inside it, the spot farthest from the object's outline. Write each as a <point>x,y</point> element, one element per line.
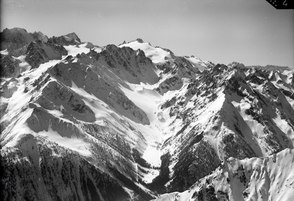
<point>140,100</point>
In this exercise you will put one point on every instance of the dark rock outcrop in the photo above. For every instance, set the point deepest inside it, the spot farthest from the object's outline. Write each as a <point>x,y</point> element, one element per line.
<point>68,39</point>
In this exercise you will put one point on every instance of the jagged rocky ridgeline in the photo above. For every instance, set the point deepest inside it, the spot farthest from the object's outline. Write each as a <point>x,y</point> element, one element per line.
<point>137,122</point>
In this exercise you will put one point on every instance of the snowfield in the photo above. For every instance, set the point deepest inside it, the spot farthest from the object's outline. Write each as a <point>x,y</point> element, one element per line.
<point>74,50</point>
<point>156,54</point>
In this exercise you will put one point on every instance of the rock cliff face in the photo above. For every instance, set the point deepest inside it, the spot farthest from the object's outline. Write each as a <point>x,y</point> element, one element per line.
<point>38,52</point>
<point>136,122</point>
<point>11,66</point>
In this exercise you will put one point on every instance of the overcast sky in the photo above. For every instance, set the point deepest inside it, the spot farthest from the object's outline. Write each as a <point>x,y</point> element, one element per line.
<point>222,31</point>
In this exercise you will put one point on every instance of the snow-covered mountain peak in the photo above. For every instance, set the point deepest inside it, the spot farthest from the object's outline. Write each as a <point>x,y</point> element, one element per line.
<point>156,54</point>
<point>199,63</point>
<point>73,36</point>
<point>136,122</point>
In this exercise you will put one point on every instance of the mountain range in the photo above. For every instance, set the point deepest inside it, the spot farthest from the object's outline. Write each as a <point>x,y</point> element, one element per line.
<point>137,122</point>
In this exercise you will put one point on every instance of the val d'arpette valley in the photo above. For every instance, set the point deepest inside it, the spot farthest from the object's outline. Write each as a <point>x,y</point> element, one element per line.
<point>136,122</point>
